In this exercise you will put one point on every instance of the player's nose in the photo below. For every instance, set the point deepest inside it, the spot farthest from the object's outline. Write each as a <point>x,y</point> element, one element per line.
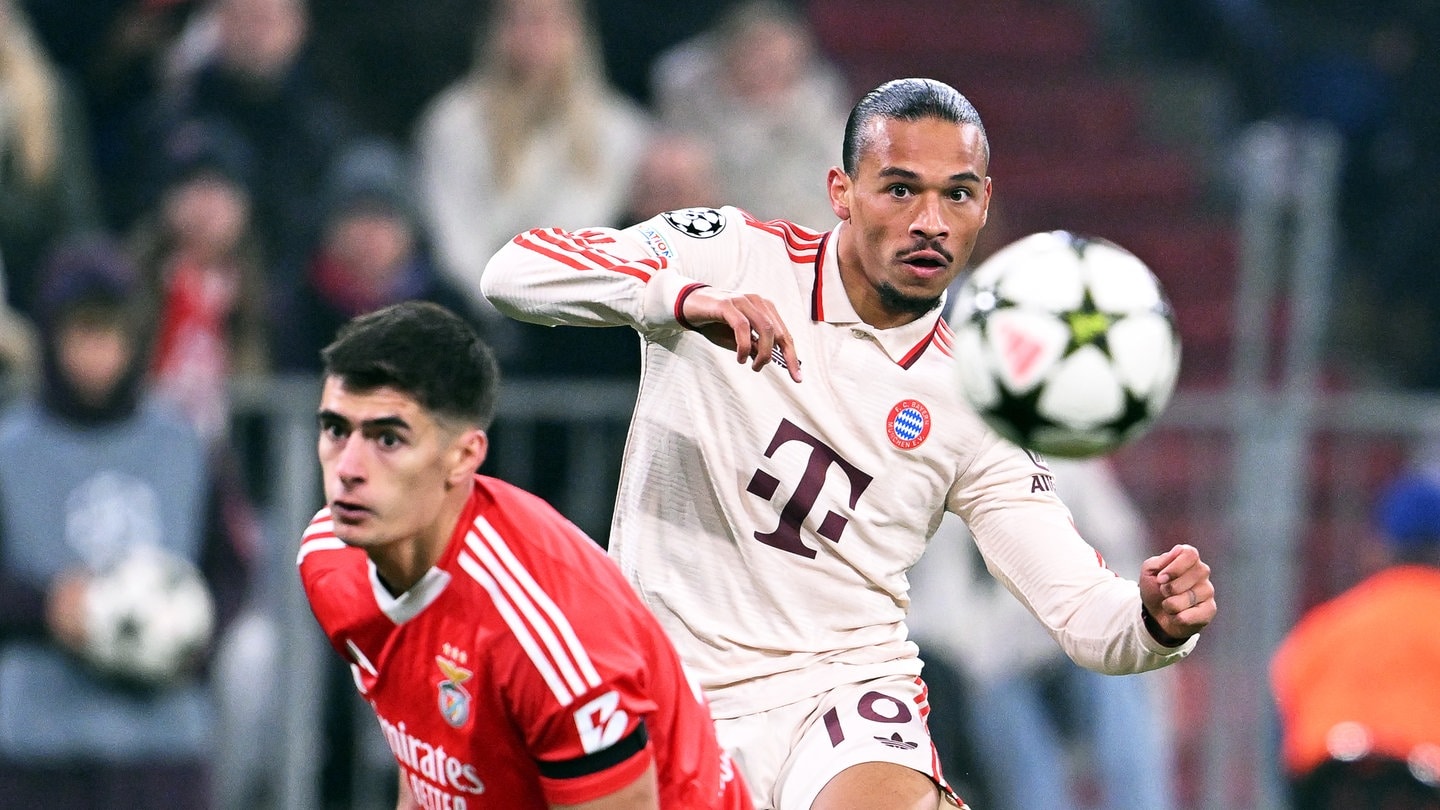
<point>350,461</point>
<point>929,220</point>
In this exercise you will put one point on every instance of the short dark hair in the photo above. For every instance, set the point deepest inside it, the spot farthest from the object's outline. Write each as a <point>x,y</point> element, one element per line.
<point>906,100</point>
<point>424,350</point>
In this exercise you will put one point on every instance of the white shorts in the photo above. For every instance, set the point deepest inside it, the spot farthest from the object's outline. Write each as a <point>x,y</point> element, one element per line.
<point>789,753</point>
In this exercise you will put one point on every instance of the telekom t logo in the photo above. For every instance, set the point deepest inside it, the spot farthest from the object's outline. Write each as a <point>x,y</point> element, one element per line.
<point>786,536</point>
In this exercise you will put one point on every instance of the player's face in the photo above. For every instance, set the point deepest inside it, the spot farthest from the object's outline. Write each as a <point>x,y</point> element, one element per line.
<point>391,469</point>
<point>914,208</point>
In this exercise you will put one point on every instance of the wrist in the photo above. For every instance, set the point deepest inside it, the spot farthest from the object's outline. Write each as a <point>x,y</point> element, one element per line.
<point>1152,626</point>
<point>680,304</point>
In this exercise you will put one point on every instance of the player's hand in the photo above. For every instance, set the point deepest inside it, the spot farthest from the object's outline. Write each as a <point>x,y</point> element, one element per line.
<point>1176,589</point>
<point>65,609</point>
<point>744,323</point>
<point>405,800</point>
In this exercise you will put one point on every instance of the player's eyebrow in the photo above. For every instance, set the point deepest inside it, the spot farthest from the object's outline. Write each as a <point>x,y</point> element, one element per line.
<point>896,171</point>
<point>328,417</point>
<point>906,174</point>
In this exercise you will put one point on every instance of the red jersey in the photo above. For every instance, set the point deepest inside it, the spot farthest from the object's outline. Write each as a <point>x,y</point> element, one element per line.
<point>521,670</point>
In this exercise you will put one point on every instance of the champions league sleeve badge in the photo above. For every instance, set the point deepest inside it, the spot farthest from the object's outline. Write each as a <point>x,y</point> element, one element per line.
<point>701,223</point>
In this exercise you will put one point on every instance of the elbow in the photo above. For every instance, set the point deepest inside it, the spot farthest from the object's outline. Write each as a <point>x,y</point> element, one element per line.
<point>497,282</point>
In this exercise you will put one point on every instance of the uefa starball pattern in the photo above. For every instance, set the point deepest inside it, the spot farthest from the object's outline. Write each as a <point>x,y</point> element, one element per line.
<point>149,617</point>
<point>1066,344</point>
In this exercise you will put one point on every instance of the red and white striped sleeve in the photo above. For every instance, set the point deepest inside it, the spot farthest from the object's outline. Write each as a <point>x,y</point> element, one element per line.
<point>596,277</point>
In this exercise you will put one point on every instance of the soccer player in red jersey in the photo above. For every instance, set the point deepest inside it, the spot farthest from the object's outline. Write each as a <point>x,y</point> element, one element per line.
<point>507,659</point>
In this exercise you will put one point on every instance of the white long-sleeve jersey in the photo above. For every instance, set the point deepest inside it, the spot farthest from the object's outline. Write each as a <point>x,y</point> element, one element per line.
<point>770,524</point>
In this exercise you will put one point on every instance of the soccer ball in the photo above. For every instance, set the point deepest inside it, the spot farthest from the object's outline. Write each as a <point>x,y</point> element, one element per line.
<point>148,617</point>
<point>1066,344</point>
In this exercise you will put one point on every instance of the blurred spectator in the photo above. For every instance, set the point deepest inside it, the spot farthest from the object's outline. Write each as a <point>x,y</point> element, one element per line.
<point>79,489</point>
<point>47,187</point>
<point>372,253</point>
<point>1358,696</point>
<point>677,171</point>
<point>384,61</point>
<point>115,51</point>
<point>1250,42</point>
<point>200,262</point>
<point>533,136</point>
<point>1044,732</point>
<point>1391,203</point>
<point>251,74</point>
<point>757,90</point>
<point>17,345</point>
<point>631,49</point>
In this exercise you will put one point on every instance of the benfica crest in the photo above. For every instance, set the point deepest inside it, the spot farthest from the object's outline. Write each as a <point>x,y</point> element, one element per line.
<point>454,699</point>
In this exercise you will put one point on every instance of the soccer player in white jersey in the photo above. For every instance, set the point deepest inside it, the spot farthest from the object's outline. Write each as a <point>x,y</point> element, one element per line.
<point>769,508</point>
<point>508,663</point>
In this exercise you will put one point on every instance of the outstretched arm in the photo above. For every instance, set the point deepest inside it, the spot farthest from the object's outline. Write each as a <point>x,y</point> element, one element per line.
<point>602,277</point>
<point>582,278</point>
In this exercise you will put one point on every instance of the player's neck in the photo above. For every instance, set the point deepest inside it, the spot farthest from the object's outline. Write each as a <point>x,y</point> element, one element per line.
<point>864,296</point>
<point>403,563</point>
<point>868,301</point>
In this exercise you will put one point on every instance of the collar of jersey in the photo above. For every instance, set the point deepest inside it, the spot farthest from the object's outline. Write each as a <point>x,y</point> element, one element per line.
<point>830,304</point>
<point>408,605</point>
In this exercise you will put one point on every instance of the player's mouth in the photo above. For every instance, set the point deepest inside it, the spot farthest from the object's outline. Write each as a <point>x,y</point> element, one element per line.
<point>925,264</point>
<point>348,512</point>
<point>927,259</point>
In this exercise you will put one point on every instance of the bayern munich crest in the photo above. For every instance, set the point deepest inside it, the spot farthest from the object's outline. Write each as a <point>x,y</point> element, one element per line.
<point>701,223</point>
<point>908,424</point>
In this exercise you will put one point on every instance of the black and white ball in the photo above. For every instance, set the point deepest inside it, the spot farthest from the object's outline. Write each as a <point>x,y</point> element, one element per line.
<point>149,617</point>
<point>1066,344</point>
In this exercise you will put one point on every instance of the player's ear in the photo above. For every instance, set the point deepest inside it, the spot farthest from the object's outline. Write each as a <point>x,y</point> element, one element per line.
<point>469,452</point>
<point>838,183</point>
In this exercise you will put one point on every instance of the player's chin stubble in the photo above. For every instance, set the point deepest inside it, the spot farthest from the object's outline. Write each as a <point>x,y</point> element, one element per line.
<point>896,301</point>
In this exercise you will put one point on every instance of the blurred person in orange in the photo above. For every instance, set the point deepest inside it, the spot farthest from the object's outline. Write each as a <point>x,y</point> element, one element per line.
<point>1358,696</point>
